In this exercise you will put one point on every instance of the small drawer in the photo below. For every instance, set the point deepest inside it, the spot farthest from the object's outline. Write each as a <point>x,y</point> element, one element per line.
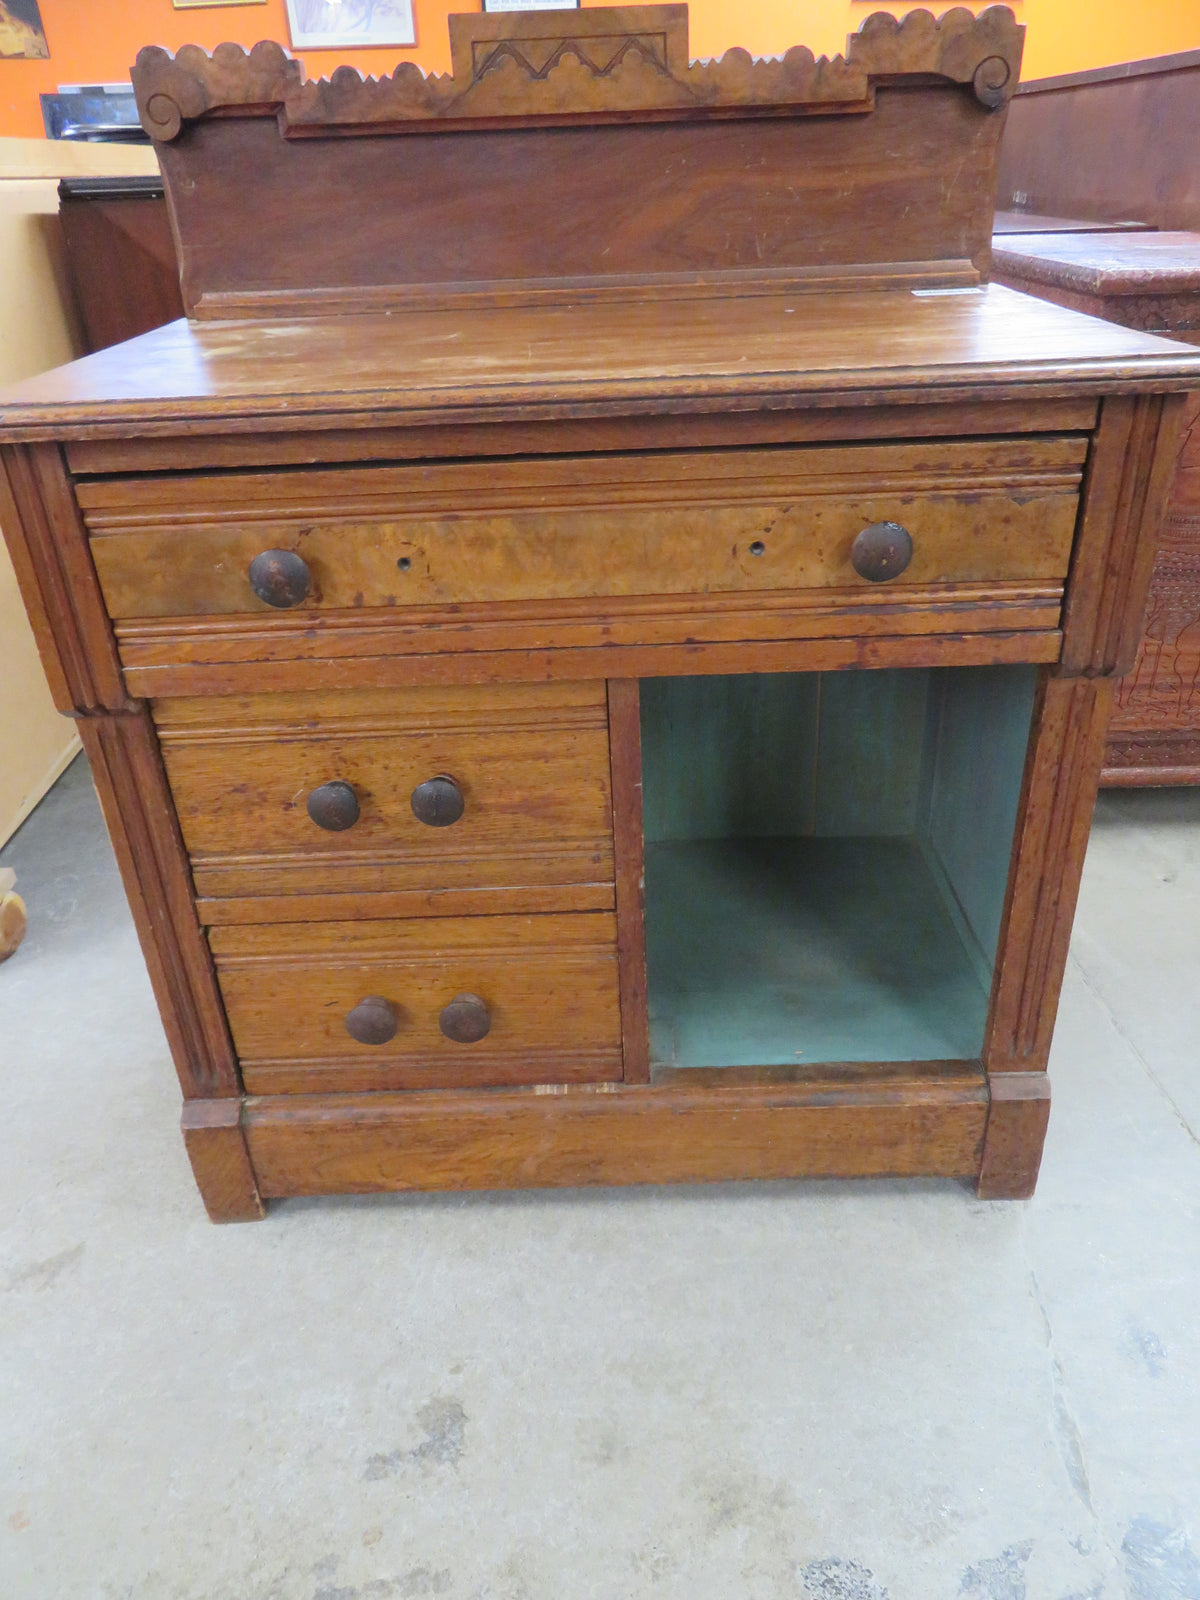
<point>413,801</point>
<point>446,1002</point>
<point>701,522</point>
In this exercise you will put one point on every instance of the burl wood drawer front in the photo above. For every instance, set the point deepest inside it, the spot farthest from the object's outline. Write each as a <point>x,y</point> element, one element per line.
<point>664,523</point>
<point>442,799</point>
<point>542,990</point>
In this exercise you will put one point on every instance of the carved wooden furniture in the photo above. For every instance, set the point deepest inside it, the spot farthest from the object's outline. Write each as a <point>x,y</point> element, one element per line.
<point>1106,148</point>
<point>595,638</point>
<point>1149,281</point>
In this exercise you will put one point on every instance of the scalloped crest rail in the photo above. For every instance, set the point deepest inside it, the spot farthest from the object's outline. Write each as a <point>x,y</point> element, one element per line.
<point>612,161</point>
<point>622,60</point>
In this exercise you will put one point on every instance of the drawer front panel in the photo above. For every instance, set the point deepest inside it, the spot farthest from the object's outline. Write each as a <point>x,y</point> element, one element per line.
<point>530,761</point>
<point>735,521</point>
<point>548,985</point>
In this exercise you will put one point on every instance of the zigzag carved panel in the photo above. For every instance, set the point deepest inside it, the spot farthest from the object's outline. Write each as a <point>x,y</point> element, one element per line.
<point>605,60</point>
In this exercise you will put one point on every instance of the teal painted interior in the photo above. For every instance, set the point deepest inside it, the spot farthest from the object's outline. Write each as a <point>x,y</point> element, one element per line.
<point>976,760</point>
<point>826,861</point>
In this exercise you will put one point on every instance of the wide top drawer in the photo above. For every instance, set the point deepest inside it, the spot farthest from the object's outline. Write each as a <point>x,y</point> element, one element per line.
<point>672,522</point>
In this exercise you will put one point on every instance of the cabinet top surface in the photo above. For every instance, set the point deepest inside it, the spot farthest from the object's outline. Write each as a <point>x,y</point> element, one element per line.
<point>889,346</point>
<point>1107,263</point>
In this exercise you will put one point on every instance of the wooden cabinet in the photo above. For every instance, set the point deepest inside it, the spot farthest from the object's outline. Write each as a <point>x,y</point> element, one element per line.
<point>1145,280</point>
<point>611,692</point>
<point>1101,148</point>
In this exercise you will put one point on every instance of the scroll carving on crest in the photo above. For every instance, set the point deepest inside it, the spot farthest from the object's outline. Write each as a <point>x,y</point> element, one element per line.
<point>622,61</point>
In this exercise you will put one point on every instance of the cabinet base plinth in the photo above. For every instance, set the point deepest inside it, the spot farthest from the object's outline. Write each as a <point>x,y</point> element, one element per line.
<point>216,1147</point>
<point>1016,1131</point>
<point>345,1144</point>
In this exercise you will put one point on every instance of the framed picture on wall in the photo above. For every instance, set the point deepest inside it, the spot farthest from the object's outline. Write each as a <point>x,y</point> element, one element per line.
<point>342,24</point>
<point>531,5</point>
<point>22,37</point>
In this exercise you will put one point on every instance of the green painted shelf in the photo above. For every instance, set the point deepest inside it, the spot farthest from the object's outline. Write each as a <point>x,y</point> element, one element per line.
<point>765,952</point>
<point>826,861</point>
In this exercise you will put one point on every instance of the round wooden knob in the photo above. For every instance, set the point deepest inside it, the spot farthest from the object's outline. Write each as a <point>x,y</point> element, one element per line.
<point>281,578</point>
<point>438,802</point>
<point>333,806</point>
<point>373,1020</point>
<point>465,1019</point>
<point>881,551</point>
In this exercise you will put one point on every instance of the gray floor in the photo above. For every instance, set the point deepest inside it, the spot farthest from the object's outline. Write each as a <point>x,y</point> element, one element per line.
<point>821,1391</point>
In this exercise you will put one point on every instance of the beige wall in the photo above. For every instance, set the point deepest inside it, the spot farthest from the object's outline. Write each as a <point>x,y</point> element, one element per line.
<point>37,330</point>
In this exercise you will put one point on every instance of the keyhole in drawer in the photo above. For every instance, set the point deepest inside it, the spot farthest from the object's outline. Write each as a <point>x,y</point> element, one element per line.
<point>404,563</point>
<point>758,548</point>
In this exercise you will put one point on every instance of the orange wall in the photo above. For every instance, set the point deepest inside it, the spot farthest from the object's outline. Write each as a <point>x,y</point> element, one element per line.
<point>94,41</point>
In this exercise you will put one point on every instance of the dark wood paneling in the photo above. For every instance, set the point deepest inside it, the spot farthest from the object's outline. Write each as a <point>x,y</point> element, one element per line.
<point>1146,281</point>
<point>122,259</point>
<point>1115,143</point>
<point>802,196</point>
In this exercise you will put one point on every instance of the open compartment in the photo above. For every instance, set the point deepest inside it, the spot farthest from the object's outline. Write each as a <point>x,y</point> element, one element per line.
<point>826,858</point>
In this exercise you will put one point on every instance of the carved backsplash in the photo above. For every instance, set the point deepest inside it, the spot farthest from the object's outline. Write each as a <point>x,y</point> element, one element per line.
<point>581,65</point>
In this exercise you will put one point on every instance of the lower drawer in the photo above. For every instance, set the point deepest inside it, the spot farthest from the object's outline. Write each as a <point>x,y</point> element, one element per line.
<point>451,1002</point>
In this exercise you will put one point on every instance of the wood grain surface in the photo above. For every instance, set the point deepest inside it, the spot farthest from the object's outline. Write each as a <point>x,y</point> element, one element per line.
<point>530,759</point>
<point>1129,478</point>
<point>601,390</point>
<point>340,1144</point>
<point>140,815</point>
<point>624,720</point>
<point>566,529</point>
<point>837,424</point>
<point>216,1147</point>
<point>121,255</point>
<point>1054,818</point>
<point>1103,264</point>
<point>1109,142</point>
<point>619,60</point>
<point>40,521</point>
<point>699,169</point>
<point>681,202</point>
<point>1154,734</point>
<point>1018,1115</point>
<point>643,354</point>
<point>549,982</point>
<point>840,648</point>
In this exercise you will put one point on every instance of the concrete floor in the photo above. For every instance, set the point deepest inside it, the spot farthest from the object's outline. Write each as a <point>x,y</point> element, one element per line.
<point>827,1391</point>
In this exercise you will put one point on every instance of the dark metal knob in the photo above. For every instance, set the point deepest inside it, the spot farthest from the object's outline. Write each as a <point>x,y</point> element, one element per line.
<point>334,806</point>
<point>281,578</point>
<point>465,1019</point>
<point>373,1020</point>
<point>881,551</point>
<point>438,801</point>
